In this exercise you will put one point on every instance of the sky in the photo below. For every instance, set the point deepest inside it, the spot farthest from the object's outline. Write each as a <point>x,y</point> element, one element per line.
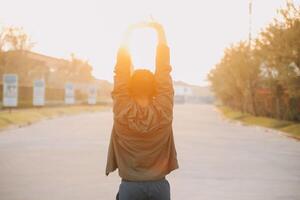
<point>197,31</point>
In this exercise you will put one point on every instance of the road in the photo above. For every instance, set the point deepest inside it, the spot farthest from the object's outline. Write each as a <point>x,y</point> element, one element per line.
<point>64,159</point>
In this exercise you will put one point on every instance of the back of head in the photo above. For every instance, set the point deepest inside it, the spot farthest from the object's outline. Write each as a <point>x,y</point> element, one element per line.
<point>142,83</point>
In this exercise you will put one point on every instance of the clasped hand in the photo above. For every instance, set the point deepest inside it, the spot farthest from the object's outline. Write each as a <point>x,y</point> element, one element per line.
<point>161,38</point>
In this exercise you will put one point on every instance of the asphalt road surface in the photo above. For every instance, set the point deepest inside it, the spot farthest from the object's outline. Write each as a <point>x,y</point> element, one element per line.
<point>64,159</point>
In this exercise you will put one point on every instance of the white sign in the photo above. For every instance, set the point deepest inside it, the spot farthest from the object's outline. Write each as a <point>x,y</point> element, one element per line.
<point>10,90</point>
<point>92,96</point>
<point>39,93</point>
<point>69,93</point>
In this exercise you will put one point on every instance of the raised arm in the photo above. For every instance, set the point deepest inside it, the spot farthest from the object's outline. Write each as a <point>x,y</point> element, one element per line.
<point>164,82</point>
<point>123,68</point>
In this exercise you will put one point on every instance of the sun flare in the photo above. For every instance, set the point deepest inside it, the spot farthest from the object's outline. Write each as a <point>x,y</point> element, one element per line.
<point>142,47</point>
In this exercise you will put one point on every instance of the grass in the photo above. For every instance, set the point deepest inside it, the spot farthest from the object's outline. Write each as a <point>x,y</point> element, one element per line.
<point>21,117</point>
<point>291,128</point>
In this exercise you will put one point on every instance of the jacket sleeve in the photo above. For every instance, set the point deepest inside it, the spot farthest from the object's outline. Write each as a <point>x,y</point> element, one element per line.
<point>164,82</point>
<point>120,93</point>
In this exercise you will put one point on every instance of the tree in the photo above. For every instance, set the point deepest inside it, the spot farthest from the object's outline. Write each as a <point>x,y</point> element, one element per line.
<point>235,78</point>
<point>273,65</point>
<point>80,70</point>
<point>14,44</point>
<point>278,47</point>
<point>15,39</point>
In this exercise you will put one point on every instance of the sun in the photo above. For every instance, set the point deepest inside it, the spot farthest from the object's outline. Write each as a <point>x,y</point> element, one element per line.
<point>142,47</point>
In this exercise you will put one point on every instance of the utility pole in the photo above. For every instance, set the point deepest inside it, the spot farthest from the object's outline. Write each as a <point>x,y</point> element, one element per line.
<point>250,24</point>
<point>250,89</point>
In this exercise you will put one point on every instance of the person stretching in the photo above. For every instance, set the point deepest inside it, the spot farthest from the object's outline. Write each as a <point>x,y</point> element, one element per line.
<point>142,144</point>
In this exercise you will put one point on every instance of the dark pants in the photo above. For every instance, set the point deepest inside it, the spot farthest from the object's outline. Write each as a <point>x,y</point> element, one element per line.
<point>144,190</point>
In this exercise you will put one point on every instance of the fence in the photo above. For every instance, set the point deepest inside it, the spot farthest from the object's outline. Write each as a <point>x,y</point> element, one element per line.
<point>266,104</point>
<point>53,97</point>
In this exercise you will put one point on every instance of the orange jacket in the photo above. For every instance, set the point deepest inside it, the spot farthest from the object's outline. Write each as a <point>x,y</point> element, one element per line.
<point>142,144</point>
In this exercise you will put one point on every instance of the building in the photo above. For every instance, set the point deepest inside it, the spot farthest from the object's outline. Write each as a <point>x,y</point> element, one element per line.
<point>186,93</point>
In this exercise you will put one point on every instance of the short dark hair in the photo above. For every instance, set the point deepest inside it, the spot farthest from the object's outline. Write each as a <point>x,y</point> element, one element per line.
<point>142,83</point>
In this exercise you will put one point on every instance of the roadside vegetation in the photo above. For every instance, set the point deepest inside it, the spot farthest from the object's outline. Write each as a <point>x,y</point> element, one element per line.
<point>258,82</point>
<point>22,117</point>
<point>292,128</point>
